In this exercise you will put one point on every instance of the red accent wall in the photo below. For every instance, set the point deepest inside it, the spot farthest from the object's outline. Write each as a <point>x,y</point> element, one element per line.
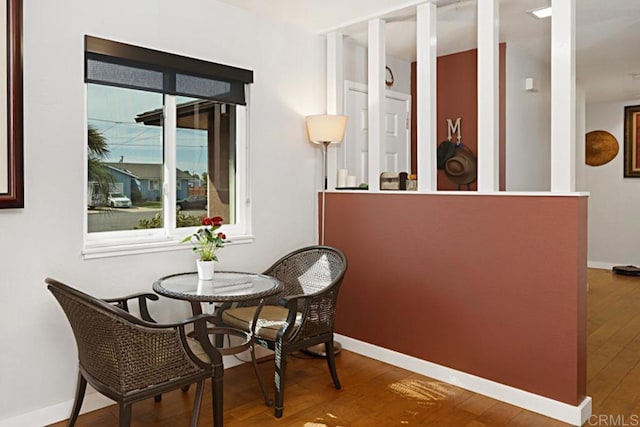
<point>458,97</point>
<point>492,285</point>
<point>457,90</point>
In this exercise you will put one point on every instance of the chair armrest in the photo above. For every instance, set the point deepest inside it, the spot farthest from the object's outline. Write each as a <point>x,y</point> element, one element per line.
<point>202,334</point>
<point>200,326</point>
<point>316,311</point>
<point>200,318</point>
<point>291,304</point>
<point>291,301</point>
<point>123,303</point>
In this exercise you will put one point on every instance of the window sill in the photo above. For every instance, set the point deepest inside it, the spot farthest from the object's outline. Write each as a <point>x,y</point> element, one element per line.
<point>126,249</point>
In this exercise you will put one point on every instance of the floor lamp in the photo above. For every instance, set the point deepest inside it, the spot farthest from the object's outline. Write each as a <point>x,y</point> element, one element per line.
<point>325,129</point>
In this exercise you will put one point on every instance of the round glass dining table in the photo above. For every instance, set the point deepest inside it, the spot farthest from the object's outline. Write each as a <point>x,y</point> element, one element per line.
<point>226,286</point>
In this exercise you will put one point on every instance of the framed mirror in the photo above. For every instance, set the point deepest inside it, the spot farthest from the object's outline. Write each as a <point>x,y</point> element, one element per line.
<point>631,138</point>
<point>11,136</point>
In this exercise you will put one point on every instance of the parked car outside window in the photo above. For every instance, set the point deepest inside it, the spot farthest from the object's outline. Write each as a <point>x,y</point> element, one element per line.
<point>119,200</point>
<point>192,202</point>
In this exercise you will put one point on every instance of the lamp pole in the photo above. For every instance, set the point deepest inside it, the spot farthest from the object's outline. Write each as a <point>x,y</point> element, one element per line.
<point>325,145</point>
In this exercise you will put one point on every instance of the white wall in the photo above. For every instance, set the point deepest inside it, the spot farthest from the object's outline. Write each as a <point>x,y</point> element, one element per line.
<point>528,123</point>
<point>355,67</point>
<point>38,362</point>
<point>614,202</point>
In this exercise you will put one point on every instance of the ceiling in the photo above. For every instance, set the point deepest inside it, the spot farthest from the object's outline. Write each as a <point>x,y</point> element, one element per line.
<point>607,32</point>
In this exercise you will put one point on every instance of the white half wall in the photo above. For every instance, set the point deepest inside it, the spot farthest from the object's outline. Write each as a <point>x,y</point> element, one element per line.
<point>38,364</point>
<point>528,123</point>
<point>614,201</point>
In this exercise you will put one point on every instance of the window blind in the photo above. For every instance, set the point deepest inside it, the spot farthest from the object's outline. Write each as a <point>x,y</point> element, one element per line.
<point>119,64</point>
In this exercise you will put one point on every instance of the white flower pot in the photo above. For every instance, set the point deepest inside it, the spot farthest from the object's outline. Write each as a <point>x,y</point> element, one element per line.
<point>205,269</point>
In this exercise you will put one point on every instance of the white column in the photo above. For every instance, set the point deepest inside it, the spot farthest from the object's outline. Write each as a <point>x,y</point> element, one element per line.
<point>376,103</point>
<point>427,97</point>
<point>563,96</point>
<point>335,83</point>
<point>488,99</point>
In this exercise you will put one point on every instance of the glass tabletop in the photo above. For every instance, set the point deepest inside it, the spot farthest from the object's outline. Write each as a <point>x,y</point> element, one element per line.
<point>225,286</point>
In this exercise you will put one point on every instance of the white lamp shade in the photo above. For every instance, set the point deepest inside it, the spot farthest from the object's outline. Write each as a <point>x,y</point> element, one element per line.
<point>326,127</point>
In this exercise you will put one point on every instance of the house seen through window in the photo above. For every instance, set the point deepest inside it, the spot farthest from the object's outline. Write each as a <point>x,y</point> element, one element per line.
<point>161,144</point>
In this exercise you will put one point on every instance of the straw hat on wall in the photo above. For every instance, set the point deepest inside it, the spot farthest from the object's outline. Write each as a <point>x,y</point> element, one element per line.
<point>462,167</point>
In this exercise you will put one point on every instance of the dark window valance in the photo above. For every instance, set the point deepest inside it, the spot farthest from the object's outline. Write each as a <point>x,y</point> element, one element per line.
<point>124,65</point>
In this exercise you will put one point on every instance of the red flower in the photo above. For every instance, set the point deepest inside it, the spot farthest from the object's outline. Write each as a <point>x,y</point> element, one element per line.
<point>207,240</point>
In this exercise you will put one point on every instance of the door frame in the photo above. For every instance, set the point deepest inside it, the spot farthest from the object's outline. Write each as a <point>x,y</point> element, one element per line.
<point>363,88</point>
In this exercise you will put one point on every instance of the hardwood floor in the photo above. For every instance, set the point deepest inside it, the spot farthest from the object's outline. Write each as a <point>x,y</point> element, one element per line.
<point>613,355</point>
<point>376,394</point>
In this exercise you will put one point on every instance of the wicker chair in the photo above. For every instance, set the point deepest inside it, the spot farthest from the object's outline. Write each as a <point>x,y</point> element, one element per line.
<point>129,359</point>
<point>299,317</point>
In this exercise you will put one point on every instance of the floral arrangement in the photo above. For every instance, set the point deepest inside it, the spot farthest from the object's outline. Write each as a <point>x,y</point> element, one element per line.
<point>207,240</point>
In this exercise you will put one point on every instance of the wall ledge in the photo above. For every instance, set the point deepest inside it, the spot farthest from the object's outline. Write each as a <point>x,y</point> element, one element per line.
<point>468,193</point>
<point>574,415</point>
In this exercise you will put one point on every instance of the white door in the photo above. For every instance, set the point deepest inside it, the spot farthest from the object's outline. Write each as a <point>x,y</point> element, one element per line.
<point>395,152</point>
<point>395,147</point>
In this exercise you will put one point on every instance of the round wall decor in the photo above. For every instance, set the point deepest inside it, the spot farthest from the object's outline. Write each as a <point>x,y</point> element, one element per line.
<point>600,147</point>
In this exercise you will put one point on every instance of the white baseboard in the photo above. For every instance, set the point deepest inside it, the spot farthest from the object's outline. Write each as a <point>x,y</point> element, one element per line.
<point>574,415</point>
<point>52,414</point>
<point>602,265</point>
<point>92,401</point>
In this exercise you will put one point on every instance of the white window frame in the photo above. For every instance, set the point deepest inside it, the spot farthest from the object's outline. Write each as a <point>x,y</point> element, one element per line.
<point>169,238</point>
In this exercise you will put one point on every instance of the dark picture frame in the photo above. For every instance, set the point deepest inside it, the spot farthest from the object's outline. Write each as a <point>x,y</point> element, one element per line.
<point>11,135</point>
<point>632,141</point>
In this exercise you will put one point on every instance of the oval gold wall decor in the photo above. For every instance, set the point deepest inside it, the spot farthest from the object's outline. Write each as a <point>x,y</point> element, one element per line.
<point>600,147</point>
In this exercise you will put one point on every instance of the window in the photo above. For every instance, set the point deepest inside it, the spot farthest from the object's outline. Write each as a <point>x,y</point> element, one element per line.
<point>166,134</point>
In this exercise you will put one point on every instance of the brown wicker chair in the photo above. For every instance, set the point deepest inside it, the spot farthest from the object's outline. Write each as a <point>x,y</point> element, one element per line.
<point>129,359</point>
<point>299,317</point>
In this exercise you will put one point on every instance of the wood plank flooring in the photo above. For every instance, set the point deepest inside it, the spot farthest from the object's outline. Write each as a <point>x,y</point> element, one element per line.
<point>613,347</point>
<point>376,394</point>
